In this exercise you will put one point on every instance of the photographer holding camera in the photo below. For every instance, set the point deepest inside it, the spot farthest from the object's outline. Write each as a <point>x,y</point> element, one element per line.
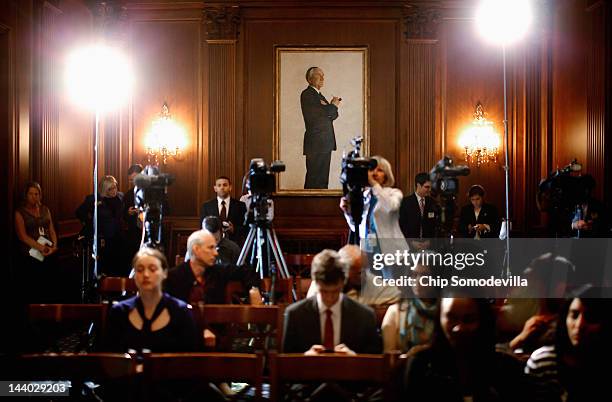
<point>380,218</point>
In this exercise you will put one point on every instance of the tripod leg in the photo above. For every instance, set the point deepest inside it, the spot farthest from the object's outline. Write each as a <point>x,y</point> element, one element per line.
<point>281,265</point>
<point>248,243</point>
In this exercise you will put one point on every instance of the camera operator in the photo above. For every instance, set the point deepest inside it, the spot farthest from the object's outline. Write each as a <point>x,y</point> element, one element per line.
<point>380,218</point>
<point>589,218</point>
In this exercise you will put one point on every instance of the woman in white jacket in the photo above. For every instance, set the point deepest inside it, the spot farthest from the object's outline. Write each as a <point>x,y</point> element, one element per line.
<point>380,227</point>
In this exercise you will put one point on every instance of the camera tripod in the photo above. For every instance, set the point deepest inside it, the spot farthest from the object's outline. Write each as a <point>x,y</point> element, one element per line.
<point>260,241</point>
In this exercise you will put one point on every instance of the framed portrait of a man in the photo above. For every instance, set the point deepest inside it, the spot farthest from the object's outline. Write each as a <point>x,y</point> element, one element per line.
<point>321,103</point>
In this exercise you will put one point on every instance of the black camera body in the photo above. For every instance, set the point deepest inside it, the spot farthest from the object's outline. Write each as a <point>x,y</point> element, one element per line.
<point>443,177</point>
<point>260,183</point>
<point>261,176</point>
<point>355,168</point>
<point>149,197</point>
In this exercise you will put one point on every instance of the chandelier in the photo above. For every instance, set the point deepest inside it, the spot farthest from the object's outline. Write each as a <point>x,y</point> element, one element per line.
<point>166,138</point>
<point>480,141</point>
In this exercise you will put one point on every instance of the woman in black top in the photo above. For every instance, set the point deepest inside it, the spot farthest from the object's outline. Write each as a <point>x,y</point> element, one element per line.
<point>37,246</point>
<point>478,219</point>
<point>461,363</point>
<point>110,236</point>
<point>151,320</point>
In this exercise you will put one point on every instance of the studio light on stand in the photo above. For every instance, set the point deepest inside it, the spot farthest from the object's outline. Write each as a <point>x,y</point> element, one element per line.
<point>98,78</point>
<point>503,23</point>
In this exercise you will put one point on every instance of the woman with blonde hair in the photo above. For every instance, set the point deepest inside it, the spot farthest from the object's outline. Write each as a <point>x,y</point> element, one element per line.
<point>379,225</point>
<point>110,236</point>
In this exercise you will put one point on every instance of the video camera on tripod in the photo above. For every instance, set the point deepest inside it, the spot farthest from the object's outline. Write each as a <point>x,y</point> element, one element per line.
<point>149,197</point>
<point>354,179</point>
<point>445,183</point>
<point>260,183</point>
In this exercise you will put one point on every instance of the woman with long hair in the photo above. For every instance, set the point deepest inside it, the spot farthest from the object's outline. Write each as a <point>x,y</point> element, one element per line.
<point>37,245</point>
<point>461,363</point>
<point>573,368</point>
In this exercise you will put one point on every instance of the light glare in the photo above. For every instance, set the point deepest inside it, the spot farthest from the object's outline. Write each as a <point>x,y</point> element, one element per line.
<point>503,21</point>
<point>98,77</point>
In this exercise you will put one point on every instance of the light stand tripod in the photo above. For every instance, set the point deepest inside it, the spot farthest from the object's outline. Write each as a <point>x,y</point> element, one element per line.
<point>260,242</point>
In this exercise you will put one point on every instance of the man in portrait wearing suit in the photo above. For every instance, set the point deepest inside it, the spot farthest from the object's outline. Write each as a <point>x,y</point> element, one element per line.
<point>329,321</point>
<point>229,210</point>
<point>319,138</point>
<point>419,212</point>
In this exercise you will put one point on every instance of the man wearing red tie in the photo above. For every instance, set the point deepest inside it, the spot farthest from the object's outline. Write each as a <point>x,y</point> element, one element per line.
<point>328,321</point>
<point>229,210</point>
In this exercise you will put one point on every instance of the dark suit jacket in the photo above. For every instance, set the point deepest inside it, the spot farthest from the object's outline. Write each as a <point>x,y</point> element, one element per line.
<point>410,219</point>
<point>488,215</point>
<point>181,280</point>
<point>318,119</point>
<point>237,210</point>
<point>303,327</point>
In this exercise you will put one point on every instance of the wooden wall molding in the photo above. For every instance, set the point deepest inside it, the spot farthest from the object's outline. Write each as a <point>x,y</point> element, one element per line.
<point>420,141</point>
<point>599,120</point>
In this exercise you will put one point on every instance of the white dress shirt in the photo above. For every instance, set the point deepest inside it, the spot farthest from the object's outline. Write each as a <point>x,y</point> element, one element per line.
<point>336,317</point>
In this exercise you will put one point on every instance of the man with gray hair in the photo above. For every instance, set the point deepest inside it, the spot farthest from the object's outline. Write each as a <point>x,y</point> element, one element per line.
<point>360,282</point>
<point>200,279</point>
<point>319,138</point>
<point>328,321</point>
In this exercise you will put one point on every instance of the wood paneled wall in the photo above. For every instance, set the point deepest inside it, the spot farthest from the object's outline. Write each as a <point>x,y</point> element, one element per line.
<point>213,64</point>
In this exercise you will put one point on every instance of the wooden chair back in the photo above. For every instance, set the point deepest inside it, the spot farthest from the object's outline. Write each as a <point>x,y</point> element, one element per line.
<point>242,321</point>
<point>283,289</point>
<point>299,264</point>
<point>212,367</point>
<point>302,285</point>
<point>113,287</point>
<point>76,366</point>
<point>326,368</point>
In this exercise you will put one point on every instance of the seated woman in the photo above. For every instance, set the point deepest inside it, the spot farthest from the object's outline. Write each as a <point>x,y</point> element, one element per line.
<point>110,236</point>
<point>37,244</point>
<point>151,320</point>
<point>461,363</point>
<point>572,369</point>
<point>411,321</point>
<point>478,219</point>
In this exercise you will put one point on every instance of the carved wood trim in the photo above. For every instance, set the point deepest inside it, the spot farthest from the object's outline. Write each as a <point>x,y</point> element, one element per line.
<point>222,23</point>
<point>421,22</point>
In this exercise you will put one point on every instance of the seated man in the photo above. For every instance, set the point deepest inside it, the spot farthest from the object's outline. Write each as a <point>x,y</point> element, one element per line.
<point>227,209</point>
<point>200,279</point>
<point>227,249</point>
<point>359,285</point>
<point>328,321</point>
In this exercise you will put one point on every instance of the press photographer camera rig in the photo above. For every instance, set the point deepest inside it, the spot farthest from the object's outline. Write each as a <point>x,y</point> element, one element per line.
<point>149,196</point>
<point>261,242</point>
<point>445,184</point>
<point>354,179</point>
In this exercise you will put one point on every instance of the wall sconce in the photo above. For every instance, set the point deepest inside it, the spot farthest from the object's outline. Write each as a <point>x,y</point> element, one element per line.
<point>480,141</point>
<point>165,139</point>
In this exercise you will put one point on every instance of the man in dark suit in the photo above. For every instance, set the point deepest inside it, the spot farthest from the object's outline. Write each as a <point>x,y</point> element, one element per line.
<point>319,138</point>
<point>229,210</point>
<point>329,321</point>
<point>419,212</point>
<point>200,279</point>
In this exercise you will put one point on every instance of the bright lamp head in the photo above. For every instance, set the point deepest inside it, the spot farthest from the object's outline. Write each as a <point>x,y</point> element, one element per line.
<point>503,21</point>
<point>98,77</point>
